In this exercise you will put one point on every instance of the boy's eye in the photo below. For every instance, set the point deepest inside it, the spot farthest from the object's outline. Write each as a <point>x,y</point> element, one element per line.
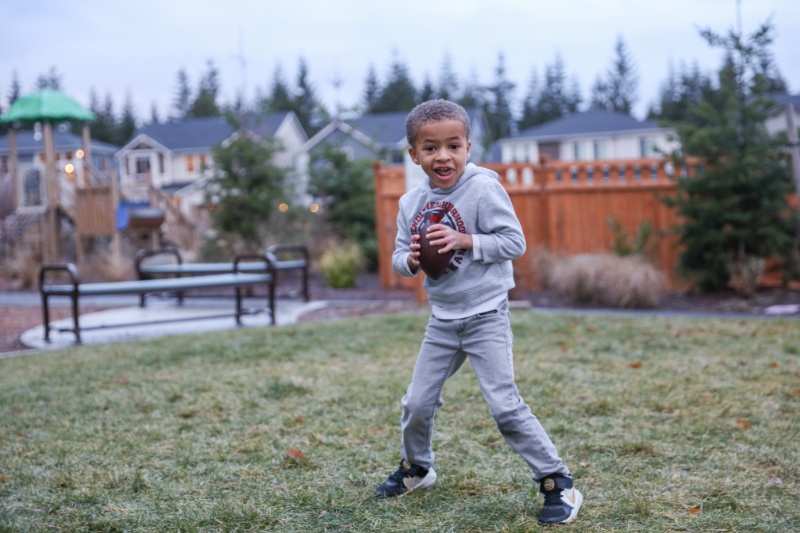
<point>454,146</point>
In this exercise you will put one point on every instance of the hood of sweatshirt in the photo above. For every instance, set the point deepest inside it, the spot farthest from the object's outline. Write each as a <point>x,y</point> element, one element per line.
<point>470,171</point>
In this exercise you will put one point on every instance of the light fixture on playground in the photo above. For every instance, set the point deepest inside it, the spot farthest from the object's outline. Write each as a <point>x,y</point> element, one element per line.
<point>314,208</point>
<point>79,154</point>
<point>283,208</point>
<point>69,168</point>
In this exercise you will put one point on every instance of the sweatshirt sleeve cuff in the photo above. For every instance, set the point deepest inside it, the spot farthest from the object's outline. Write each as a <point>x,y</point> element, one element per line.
<point>477,255</point>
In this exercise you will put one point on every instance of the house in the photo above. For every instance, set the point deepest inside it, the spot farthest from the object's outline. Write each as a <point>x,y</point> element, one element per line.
<point>777,122</point>
<point>176,157</point>
<point>31,162</point>
<point>596,134</point>
<point>382,137</point>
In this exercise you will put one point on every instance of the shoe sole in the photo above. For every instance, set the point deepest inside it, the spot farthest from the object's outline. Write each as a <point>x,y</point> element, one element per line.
<point>424,483</point>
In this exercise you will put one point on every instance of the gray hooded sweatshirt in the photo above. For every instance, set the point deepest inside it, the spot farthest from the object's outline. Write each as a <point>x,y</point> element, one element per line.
<point>477,205</point>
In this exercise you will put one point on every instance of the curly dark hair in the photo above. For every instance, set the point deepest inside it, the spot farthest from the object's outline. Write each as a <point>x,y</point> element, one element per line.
<point>431,111</point>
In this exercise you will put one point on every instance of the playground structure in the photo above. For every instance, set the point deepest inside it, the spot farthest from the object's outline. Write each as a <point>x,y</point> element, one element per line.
<point>75,189</point>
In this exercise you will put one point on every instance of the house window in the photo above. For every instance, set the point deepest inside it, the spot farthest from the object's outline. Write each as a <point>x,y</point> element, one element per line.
<point>142,167</point>
<point>42,157</point>
<point>643,147</point>
<point>527,152</point>
<point>190,163</point>
<point>600,150</point>
<point>161,163</point>
<point>202,161</point>
<point>68,156</point>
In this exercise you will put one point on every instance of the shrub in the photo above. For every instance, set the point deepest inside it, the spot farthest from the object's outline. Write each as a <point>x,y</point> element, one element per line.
<point>620,282</point>
<point>746,274</point>
<point>23,266</point>
<point>341,264</point>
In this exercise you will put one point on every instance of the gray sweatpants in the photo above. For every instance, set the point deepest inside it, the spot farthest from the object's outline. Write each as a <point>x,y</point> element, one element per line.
<point>487,340</point>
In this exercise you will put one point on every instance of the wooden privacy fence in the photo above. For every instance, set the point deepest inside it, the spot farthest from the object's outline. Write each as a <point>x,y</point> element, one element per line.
<point>563,207</point>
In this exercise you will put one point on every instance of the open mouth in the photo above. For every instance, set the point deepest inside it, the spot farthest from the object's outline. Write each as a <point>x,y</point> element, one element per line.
<point>443,172</point>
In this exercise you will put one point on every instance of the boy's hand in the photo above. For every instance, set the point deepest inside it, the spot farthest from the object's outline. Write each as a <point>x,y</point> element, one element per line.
<point>413,257</point>
<point>439,234</point>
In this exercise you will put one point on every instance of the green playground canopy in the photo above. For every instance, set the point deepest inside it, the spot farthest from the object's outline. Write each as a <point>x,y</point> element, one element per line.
<point>46,104</point>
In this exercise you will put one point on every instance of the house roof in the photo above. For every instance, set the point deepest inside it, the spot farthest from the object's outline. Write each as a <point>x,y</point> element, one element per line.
<point>390,128</point>
<point>189,133</point>
<point>265,125</point>
<point>786,98</point>
<point>595,120</point>
<point>27,144</point>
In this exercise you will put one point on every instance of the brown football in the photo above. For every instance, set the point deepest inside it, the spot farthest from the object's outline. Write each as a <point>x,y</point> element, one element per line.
<point>432,262</point>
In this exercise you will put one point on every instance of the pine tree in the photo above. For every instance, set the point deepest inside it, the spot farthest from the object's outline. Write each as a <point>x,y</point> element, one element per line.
<point>681,91</point>
<point>448,81</point>
<point>529,117</point>
<point>372,90</point>
<point>127,126</point>
<point>183,96</point>
<point>205,104</point>
<point>104,125</point>
<point>399,93</point>
<point>14,92</point>
<point>154,119</point>
<point>472,96</point>
<point>498,109</point>
<point>735,207</point>
<point>427,92</point>
<point>280,97</point>
<point>306,105</point>
<point>50,80</point>
<point>617,92</point>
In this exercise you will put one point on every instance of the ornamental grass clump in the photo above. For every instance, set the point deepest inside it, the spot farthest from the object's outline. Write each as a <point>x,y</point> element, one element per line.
<point>605,279</point>
<point>341,265</point>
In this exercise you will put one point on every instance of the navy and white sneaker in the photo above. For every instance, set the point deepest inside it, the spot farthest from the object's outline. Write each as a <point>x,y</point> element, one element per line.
<point>406,479</point>
<point>561,500</point>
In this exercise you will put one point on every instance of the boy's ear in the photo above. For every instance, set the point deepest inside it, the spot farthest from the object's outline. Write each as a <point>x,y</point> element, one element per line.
<point>469,148</point>
<point>413,154</point>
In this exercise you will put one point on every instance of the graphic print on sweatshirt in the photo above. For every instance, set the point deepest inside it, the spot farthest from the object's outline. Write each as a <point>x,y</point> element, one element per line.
<point>446,214</point>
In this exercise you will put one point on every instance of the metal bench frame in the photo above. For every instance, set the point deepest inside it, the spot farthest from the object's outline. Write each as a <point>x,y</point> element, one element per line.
<point>217,268</point>
<point>74,292</point>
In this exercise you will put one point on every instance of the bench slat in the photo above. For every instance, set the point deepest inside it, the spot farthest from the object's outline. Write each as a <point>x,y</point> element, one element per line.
<point>160,285</point>
<point>217,268</point>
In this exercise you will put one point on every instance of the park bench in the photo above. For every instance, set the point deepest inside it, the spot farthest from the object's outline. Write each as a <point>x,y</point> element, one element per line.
<point>181,269</point>
<point>264,273</point>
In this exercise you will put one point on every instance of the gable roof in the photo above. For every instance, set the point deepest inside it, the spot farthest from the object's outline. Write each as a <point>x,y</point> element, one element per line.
<point>595,120</point>
<point>189,133</point>
<point>27,144</point>
<point>786,98</point>
<point>265,125</point>
<point>383,128</point>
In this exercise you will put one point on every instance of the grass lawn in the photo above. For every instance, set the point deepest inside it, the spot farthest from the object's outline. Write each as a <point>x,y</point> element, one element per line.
<point>191,433</point>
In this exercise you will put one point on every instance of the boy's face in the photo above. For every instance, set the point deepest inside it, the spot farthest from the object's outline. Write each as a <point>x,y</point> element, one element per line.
<point>441,148</point>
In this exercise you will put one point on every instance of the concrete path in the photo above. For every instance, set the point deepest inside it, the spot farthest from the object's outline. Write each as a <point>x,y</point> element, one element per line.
<point>195,316</point>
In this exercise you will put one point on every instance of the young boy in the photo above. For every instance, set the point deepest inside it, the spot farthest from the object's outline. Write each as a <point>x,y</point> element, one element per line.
<point>475,218</point>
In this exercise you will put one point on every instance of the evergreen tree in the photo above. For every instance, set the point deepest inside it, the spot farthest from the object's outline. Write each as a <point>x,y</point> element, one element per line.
<point>50,80</point>
<point>104,126</point>
<point>346,189</point>
<point>15,91</point>
<point>427,92</point>
<point>205,104</point>
<point>448,81</point>
<point>399,93</point>
<point>280,97</point>
<point>681,91</point>
<point>247,189</point>
<point>735,207</point>
<point>529,117</point>
<point>617,92</point>
<point>154,119</point>
<point>372,90</point>
<point>183,96</point>
<point>498,109</point>
<point>306,105</point>
<point>127,126</point>
<point>472,96</point>
<point>552,100</point>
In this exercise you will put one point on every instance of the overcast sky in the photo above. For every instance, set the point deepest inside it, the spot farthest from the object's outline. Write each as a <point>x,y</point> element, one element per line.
<point>138,47</point>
